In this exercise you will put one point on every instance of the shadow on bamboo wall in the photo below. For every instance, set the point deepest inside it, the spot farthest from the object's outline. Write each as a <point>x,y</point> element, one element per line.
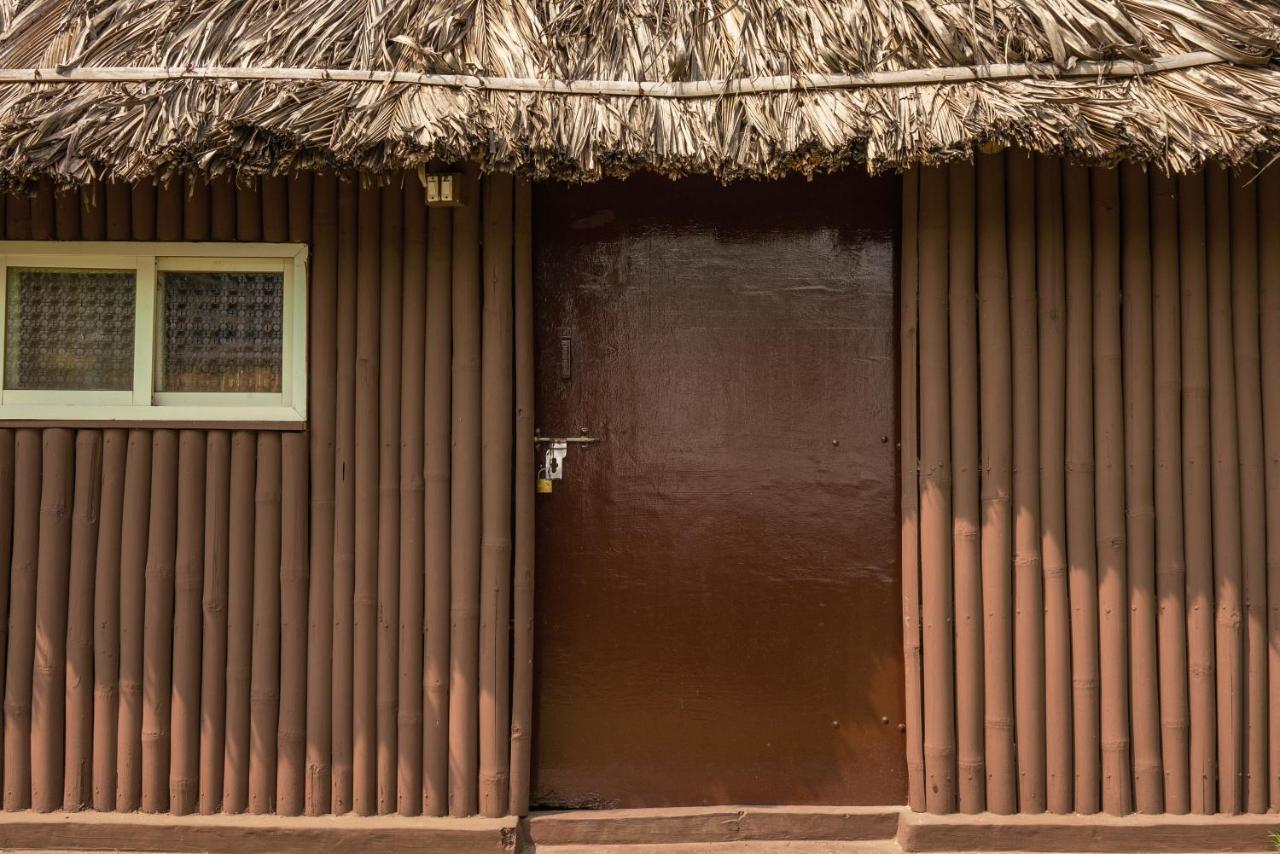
<point>1091,370</point>
<point>230,620</point>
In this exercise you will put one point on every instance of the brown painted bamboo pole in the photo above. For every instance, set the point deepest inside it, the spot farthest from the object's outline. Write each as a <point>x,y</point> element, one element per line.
<point>935,498</point>
<point>523,568</point>
<point>1139,432</point>
<point>78,762</point>
<point>496,385</point>
<point>1062,348</point>
<point>196,213</point>
<point>213,648</point>
<point>291,732</point>
<point>1113,585</point>
<point>1029,684</point>
<point>188,587</point>
<point>323,375</point>
<point>412,497</point>
<point>966,549</point>
<point>17,218</point>
<point>438,418</point>
<point>1228,594</point>
<point>42,206</point>
<point>344,503</point>
<point>48,712</point>
<point>1171,574</point>
<point>119,218</point>
<point>222,203</point>
<point>464,536</point>
<point>909,469</point>
<point>28,455</point>
<point>1080,543</point>
<point>106,620</point>
<point>248,208</point>
<point>240,550</point>
<point>301,202</point>
<point>994,382</point>
<point>1197,507</point>
<point>6,565</point>
<point>366,499</point>
<point>1269,334</point>
<point>264,702</point>
<point>157,631</point>
<point>93,211</point>
<point>169,208</point>
<point>142,210</point>
<point>275,208</point>
<point>391,285</point>
<point>133,565</point>
<point>66,204</point>
<point>1253,534</point>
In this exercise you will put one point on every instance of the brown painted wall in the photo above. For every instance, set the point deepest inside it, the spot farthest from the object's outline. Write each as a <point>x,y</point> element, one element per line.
<point>1091,398</point>
<point>252,620</point>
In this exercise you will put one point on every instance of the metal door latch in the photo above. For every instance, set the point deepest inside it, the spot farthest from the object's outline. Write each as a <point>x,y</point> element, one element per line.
<point>553,457</point>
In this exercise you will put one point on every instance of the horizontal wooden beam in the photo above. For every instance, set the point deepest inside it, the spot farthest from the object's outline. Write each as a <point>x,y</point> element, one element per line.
<point>1101,70</point>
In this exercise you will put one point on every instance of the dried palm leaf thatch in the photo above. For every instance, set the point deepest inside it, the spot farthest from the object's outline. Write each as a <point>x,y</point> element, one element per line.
<point>128,88</point>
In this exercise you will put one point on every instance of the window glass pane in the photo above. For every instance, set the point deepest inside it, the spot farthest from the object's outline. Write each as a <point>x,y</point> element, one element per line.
<point>220,332</point>
<point>69,329</point>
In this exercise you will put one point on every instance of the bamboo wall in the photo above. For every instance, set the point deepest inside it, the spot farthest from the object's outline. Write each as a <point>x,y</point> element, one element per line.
<point>1091,488</point>
<point>241,620</point>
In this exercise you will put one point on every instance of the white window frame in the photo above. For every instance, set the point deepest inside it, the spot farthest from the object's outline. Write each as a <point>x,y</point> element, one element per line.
<point>143,402</point>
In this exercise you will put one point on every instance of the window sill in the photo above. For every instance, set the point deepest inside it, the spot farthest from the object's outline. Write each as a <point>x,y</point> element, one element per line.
<point>193,417</point>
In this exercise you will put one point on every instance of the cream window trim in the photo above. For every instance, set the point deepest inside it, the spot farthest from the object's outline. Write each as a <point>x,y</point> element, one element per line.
<point>143,402</point>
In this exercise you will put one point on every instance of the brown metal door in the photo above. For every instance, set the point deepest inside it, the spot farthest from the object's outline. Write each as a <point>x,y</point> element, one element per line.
<point>718,602</point>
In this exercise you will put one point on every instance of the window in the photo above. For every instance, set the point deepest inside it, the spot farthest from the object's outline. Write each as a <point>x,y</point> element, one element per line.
<point>153,331</point>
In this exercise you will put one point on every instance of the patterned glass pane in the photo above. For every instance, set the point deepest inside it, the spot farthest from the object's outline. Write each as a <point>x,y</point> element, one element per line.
<point>220,332</point>
<point>69,329</point>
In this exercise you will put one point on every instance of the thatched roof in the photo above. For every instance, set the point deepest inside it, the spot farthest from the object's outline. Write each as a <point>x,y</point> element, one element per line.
<point>577,88</point>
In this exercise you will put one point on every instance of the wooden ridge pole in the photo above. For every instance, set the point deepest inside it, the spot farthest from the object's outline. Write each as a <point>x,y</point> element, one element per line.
<point>966,548</point>
<point>48,714</point>
<point>1269,332</point>
<point>1253,533</point>
<point>1113,586</point>
<point>1225,478</point>
<point>78,762</point>
<point>188,622</point>
<point>523,568</point>
<point>1028,596</point>
<point>1079,459</point>
<point>28,456</point>
<point>496,387</point>
<point>157,627</point>
<point>1139,438</point>
<point>240,539</point>
<point>264,693</point>
<point>437,427</point>
<point>322,410</point>
<point>1197,506</point>
<point>106,620</point>
<point>1171,574</point>
<point>391,270</point>
<point>344,504</point>
<point>412,500</point>
<point>213,633</point>
<point>935,497</point>
<point>133,565</point>
<point>464,535</point>
<point>295,572</point>
<point>365,666</point>
<point>291,731</point>
<point>996,430</point>
<point>1062,334</point>
<point>910,489</point>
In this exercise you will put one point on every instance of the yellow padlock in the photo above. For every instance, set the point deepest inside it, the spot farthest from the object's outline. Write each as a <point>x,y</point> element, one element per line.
<point>544,485</point>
